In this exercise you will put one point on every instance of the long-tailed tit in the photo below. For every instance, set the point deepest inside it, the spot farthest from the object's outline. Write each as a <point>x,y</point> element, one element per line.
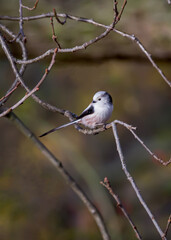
<point>97,113</point>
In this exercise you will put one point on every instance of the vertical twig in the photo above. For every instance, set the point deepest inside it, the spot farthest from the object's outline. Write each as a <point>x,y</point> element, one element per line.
<point>167,226</point>
<point>21,22</point>
<point>131,180</point>
<point>130,128</point>
<point>54,37</point>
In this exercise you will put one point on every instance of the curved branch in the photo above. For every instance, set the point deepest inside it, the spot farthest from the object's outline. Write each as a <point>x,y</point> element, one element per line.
<point>65,174</point>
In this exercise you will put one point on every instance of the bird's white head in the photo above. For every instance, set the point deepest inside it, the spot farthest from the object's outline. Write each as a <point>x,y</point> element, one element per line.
<point>102,98</point>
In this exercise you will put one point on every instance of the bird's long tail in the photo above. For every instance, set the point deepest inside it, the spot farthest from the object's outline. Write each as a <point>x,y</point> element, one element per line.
<point>57,128</point>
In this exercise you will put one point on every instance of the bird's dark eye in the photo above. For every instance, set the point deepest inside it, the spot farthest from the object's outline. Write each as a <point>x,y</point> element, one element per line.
<point>99,99</point>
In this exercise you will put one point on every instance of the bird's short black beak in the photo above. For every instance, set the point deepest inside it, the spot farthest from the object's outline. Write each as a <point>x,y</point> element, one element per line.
<point>94,102</point>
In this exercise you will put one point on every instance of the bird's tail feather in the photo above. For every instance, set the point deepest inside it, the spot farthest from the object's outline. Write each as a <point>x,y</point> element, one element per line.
<point>57,128</point>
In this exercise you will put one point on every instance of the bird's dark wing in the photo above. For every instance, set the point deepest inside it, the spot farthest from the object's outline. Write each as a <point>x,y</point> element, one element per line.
<point>89,110</point>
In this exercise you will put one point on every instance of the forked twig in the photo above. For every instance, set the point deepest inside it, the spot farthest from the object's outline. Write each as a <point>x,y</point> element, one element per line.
<point>131,180</point>
<point>130,128</point>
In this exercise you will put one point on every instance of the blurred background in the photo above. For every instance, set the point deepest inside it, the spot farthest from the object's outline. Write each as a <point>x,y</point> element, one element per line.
<point>35,201</point>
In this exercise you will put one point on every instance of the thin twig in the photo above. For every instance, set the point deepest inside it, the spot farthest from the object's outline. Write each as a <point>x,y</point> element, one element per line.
<point>9,92</point>
<point>108,186</point>
<point>19,102</point>
<point>122,9</point>
<point>57,18</point>
<point>131,180</point>
<point>21,22</point>
<point>65,174</point>
<point>167,226</point>
<point>142,143</point>
<point>23,66</point>
<point>30,9</point>
<point>54,37</point>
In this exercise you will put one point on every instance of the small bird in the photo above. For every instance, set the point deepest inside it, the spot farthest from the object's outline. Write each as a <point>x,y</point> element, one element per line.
<point>97,113</point>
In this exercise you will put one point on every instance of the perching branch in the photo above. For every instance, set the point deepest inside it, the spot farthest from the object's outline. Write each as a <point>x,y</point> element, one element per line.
<point>131,129</point>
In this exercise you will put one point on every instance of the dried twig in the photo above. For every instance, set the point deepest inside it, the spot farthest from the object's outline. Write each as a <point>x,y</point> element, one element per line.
<point>107,185</point>
<point>131,180</point>
<point>30,9</point>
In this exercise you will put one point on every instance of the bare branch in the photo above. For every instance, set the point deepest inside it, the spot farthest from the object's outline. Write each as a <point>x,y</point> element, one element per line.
<point>131,180</point>
<point>90,21</point>
<point>108,186</point>
<point>65,174</point>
